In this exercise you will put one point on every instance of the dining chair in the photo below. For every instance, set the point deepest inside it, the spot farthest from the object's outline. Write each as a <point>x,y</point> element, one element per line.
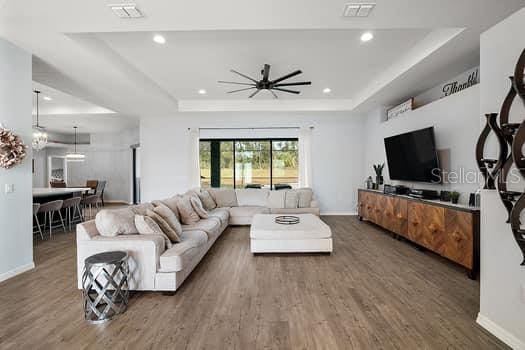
<point>101,186</point>
<point>57,184</point>
<point>73,211</point>
<point>88,203</point>
<point>38,229</point>
<point>93,185</point>
<point>49,210</point>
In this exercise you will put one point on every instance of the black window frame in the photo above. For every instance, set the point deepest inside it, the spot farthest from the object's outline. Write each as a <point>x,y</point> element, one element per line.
<point>234,140</point>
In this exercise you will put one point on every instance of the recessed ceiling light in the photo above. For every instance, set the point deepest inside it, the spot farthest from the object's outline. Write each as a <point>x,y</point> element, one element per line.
<point>159,39</point>
<point>327,90</point>
<point>202,92</point>
<point>367,36</point>
<point>47,98</point>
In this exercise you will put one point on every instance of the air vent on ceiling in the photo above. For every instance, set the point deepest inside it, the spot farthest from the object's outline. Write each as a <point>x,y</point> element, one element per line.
<point>358,9</point>
<point>126,10</point>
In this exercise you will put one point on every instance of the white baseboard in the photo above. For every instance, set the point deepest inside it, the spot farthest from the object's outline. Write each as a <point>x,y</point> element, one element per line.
<point>21,269</point>
<point>500,333</point>
<point>344,213</point>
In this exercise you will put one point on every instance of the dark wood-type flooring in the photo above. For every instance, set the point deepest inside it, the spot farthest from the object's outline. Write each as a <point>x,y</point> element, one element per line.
<point>373,292</point>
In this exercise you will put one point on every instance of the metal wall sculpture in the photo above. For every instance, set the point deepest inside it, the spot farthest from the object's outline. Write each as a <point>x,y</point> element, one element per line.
<point>511,138</point>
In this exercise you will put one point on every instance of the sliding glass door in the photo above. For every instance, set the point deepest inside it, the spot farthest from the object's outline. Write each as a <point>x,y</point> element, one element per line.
<point>246,163</point>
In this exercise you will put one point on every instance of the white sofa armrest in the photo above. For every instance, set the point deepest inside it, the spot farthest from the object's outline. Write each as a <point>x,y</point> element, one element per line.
<point>143,250</point>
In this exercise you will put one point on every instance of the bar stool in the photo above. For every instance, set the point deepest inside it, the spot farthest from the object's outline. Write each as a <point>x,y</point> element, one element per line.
<point>89,202</point>
<point>36,207</point>
<point>73,211</point>
<point>49,209</point>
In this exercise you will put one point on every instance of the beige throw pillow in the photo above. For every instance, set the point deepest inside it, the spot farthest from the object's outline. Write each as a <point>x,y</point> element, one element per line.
<point>207,201</point>
<point>142,208</point>
<point>169,217</point>
<point>170,203</point>
<point>111,223</point>
<point>197,206</point>
<point>164,226</point>
<point>225,198</point>
<point>291,200</point>
<point>305,197</point>
<point>147,226</point>
<point>188,216</point>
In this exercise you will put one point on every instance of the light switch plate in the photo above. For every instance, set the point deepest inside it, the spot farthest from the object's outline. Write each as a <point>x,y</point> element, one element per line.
<point>9,188</point>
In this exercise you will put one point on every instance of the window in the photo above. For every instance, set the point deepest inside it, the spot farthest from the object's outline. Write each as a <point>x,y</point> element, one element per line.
<point>245,163</point>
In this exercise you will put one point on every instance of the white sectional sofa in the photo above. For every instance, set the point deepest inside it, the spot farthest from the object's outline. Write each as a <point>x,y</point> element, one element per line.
<point>155,268</point>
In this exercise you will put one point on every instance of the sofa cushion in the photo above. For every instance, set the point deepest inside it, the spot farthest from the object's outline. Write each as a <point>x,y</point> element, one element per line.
<point>252,197</point>
<point>188,216</point>
<point>224,197</point>
<point>276,199</point>
<point>170,203</point>
<point>211,226</point>
<point>147,226</point>
<point>180,255</point>
<point>223,214</point>
<point>305,197</point>
<point>170,217</point>
<point>197,206</point>
<point>111,223</point>
<point>207,200</point>
<point>164,226</point>
<point>141,209</point>
<point>248,211</point>
<point>291,199</point>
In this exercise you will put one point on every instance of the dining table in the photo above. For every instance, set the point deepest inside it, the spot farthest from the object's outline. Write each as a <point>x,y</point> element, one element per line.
<point>48,194</point>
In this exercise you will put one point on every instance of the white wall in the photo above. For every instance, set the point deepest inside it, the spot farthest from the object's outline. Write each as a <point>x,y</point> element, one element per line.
<point>109,158</point>
<point>337,154</point>
<point>456,125</point>
<point>502,307</point>
<point>16,240</point>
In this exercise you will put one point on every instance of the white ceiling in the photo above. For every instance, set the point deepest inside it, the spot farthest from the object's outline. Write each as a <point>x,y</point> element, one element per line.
<point>84,50</point>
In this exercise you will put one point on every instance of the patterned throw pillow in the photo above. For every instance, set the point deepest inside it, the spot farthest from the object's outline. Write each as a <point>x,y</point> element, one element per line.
<point>147,226</point>
<point>170,218</point>
<point>291,200</point>
<point>164,226</point>
<point>188,216</point>
<point>207,201</point>
<point>197,206</point>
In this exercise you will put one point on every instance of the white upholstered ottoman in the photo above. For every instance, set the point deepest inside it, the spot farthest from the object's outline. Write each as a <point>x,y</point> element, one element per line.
<point>311,234</point>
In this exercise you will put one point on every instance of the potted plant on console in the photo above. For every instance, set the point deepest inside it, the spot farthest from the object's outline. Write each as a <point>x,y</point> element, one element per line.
<point>454,197</point>
<point>378,168</point>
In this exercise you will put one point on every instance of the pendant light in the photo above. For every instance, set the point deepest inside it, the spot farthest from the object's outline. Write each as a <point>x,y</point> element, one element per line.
<point>75,156</point>
<point>39,132</point>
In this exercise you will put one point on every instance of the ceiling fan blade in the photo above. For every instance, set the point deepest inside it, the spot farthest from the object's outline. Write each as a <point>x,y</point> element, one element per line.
<point>287,76</point>
<point>274,94</point>
<point>234,82</point>
<point>286,90</point>
<point>294,84</point>
<point>266,72</point>
<point>230,92</point>
<point>255,93</point>
<point>243,75</point>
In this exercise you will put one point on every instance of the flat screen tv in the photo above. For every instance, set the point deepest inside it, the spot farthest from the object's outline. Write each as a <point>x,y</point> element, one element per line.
<point>413,157</point>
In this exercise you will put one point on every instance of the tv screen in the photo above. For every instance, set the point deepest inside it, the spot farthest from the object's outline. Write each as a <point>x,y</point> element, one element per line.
<point>413,157</point>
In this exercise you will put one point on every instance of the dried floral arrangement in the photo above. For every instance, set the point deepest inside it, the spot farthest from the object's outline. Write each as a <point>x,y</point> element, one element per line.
<point>12,149</point>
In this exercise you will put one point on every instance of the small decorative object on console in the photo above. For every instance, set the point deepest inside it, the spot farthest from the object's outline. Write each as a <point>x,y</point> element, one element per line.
<point>287,220</point>
<point>399,189</point>
<point>454,197</point>
<point>12,149</point>
<point>378,168</point>
<point>424,194</point>
<point>444,196</point>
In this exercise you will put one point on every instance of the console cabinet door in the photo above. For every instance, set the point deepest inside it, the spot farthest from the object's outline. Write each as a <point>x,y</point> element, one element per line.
<point>379,205</point>
<point>426,225</point>
<point>400,215</point>
<point>370,206</point>
<point>361,204</point>
<point>459,237</point>
<point>388,213</point>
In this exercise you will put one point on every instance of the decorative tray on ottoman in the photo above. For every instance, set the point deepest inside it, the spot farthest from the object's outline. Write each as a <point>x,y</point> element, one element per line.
<point>287,220</point>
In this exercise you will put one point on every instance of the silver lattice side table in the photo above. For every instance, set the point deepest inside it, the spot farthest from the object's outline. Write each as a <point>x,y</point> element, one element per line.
<point>105,286</point>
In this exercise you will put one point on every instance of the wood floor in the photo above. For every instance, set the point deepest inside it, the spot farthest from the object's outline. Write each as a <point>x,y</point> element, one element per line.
<point>373,292</point>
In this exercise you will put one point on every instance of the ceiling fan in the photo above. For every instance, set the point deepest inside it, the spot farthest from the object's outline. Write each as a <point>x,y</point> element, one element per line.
<point>266,84</point>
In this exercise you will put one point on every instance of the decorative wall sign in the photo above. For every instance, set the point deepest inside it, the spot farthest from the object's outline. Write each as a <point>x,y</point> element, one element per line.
<point>456,86</point>
<point>400,109</point>
<point>12,149</point>
<point>511,138</point>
